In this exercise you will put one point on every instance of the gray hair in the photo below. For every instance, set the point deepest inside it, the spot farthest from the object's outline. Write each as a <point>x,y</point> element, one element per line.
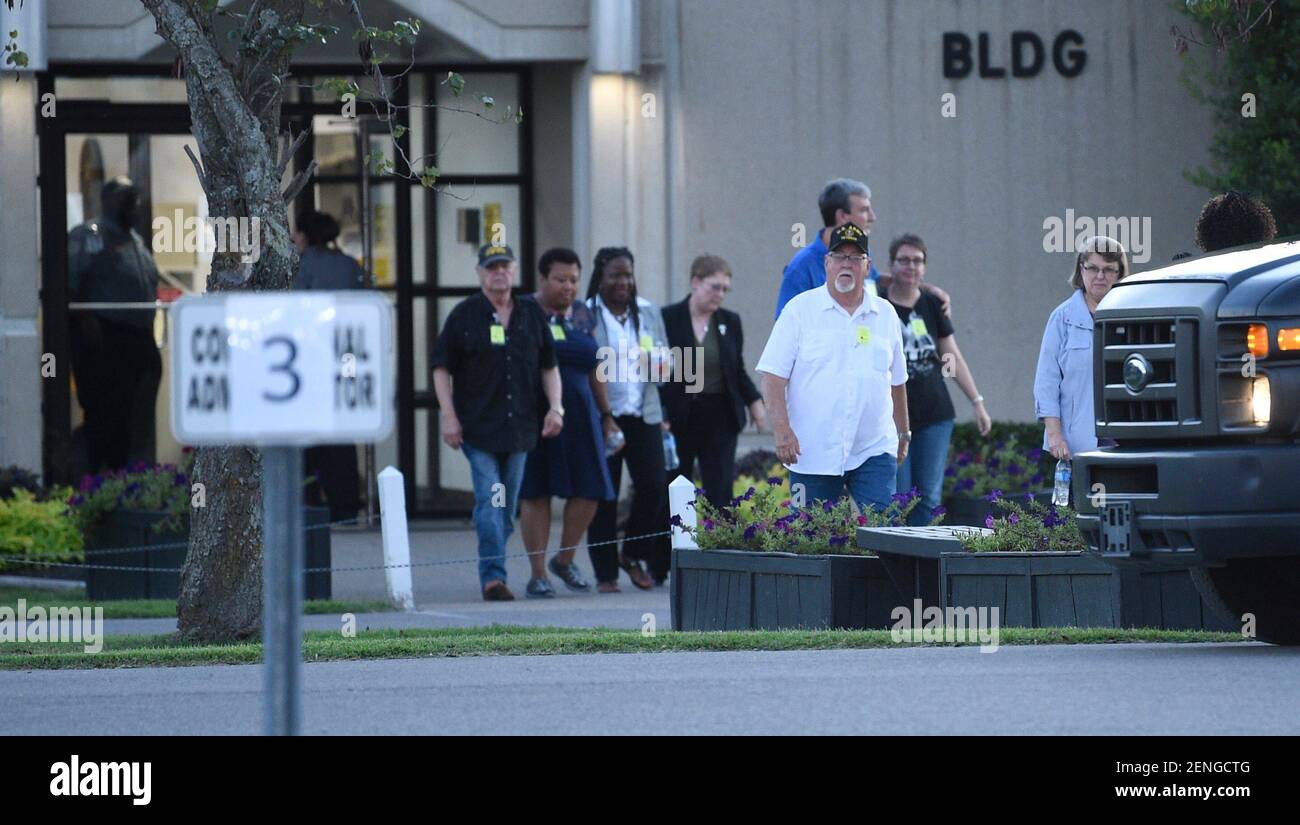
<point>835,196</point>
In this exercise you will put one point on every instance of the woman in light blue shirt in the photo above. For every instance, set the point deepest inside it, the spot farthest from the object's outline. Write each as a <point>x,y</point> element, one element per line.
<point>1063,398</point>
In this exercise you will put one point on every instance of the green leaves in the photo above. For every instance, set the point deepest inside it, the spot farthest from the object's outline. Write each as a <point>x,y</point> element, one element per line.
<point>429,177</point>
<point>455,82</point>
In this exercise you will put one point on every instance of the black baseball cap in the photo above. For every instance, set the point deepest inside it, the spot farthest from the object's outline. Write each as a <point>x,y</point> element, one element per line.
<point>849,233</point>
<point>489,254</point>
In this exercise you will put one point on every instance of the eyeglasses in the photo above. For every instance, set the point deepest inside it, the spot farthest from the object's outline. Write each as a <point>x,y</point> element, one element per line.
<point>1093,269</point>
<point>910,261</point>
<point>848,259</point>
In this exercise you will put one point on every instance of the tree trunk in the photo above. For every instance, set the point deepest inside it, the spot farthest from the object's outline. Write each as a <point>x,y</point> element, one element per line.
<point>235,113</point>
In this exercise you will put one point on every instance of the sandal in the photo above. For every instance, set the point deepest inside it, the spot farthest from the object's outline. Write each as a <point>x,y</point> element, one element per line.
<point>636,573</point>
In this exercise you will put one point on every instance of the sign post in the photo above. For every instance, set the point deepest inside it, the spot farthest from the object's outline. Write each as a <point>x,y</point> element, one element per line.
<point>282,370</point>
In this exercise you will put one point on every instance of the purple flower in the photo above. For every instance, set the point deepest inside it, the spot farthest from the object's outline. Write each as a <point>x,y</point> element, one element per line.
<point>810,534</point>
<point>965,484</point>
<point>709,524</point>
<point>1051,519</point>
<point>675,521</point>
<point>862,521</point>
<point>1014,469</point>
<point>964,459</point>
<point>748,494</point>
<point>994,463</point>
<point>1000,445</point>
<point>137,467</point>
<point>774,481</point>
<point>806,516</point>
<point>839,541</point>
<point>950,472</point>
<point>938,511</point>
<point>1035,455</point>
<point>988,522</point>
<point>735,502</point>
<point>699,491</point>
<point>750,531</point>
<point>1013,519</point>
<point>993,496</point>
<point>827,506</point>
<point>77,501</point>
<point>179,480</point>
<point>1036,479</point>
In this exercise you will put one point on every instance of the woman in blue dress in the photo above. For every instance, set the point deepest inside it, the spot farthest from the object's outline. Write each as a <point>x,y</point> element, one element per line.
<point>571,466</point>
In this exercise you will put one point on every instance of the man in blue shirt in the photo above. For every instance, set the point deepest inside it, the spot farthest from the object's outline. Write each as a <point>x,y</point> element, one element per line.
<point>843,200</point>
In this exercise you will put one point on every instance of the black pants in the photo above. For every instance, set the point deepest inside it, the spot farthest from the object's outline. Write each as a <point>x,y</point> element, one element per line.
<point>116,381</point>
<point>336,466</point>
<point>709,437</point>
<point>644,454</point>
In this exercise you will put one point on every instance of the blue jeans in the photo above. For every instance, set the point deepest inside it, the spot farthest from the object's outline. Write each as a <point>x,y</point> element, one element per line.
<point>871,484</point>
<point>494,524</point>
<point>923,468</point>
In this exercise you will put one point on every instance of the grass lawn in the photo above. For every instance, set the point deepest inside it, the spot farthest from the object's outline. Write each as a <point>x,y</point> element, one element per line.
<point>320,646</point>
<point>154,608</point>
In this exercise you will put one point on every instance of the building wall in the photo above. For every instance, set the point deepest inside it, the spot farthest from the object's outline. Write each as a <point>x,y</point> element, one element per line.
<point>778,97</point>
<point>20,352</point>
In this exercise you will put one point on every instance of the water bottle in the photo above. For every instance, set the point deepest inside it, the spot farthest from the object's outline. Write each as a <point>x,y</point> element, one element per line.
<point>614,443</point>
<point>670,452</point>
<point>1061,494</point>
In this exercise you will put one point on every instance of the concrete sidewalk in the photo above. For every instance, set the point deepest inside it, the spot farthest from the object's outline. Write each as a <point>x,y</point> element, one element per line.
<point>447,595</point>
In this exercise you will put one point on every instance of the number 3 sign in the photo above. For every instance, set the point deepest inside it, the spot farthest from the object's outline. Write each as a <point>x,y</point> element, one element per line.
<point>283,368</point>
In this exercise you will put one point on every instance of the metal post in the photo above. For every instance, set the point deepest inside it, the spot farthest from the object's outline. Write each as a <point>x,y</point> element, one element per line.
<point>282,566</point>
<point>368,268</point>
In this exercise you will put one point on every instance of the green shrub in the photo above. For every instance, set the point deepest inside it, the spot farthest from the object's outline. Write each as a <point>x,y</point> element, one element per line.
<point>1004,466</point>
<point>39,529</point>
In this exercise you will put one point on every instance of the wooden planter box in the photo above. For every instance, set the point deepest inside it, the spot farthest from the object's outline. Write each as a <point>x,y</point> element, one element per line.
<point>154,555</point>
<point>972,511</point>
<point>746,590</point>
<point>1037,589</point>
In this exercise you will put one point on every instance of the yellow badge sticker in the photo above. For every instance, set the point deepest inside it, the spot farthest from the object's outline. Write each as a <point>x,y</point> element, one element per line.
<point>557,332</point>
<point>497,334</point>
<point>864,335</point>
<point>647,343</point>
<point>919,328</point>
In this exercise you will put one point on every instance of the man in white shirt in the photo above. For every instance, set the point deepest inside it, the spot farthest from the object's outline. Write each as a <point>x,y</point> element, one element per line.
<point>833,380</point>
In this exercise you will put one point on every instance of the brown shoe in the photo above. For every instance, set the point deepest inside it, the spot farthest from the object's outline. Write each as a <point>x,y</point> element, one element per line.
<point>636,573</point>
<point>498,592</point>
<point>608,587</point>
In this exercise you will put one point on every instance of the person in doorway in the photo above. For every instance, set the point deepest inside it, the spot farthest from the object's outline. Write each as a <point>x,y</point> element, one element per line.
<point>493,355</point>
<point>115,359</point>
<point>572,466</point>
<point>322,266</point>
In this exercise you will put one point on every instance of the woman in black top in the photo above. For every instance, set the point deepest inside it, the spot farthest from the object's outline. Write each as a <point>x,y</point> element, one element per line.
<point>932,355</point>
<point>707,409</point>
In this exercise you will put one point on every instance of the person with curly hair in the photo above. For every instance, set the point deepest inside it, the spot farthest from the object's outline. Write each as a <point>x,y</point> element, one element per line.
<point>1233,219</point>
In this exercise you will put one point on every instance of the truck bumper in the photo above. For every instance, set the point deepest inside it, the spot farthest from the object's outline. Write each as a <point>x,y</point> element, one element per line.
<point>1190,507</point>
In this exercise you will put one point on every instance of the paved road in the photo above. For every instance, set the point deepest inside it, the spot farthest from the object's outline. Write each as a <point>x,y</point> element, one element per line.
<point>1084,689</point>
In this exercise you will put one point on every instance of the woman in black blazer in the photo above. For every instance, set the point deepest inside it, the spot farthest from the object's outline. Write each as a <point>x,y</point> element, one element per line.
<point>706,405</point>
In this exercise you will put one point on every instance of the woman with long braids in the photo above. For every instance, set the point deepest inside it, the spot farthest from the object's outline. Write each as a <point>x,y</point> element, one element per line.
<point>630,333</point>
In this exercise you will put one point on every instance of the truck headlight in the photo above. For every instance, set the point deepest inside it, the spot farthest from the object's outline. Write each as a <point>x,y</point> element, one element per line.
<point>1261,401</point>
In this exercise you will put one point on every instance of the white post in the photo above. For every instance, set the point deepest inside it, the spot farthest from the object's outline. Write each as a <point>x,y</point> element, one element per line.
<point>681,494</point>
<point>397,542</point>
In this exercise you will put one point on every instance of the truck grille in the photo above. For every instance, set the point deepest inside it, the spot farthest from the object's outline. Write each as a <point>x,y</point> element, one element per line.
<point>1168,352</point>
